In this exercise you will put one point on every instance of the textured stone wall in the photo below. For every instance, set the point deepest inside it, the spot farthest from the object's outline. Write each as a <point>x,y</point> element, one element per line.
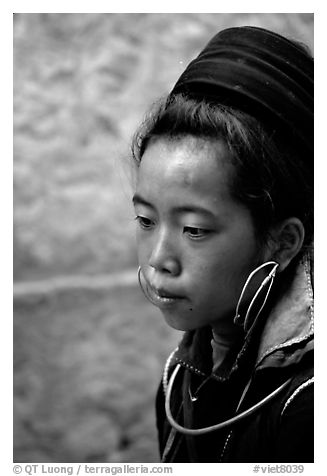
<point>88,349</point>
<point>82,84</point>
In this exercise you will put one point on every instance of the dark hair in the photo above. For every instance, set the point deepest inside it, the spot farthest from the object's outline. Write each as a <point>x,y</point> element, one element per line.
<point>273,176</point>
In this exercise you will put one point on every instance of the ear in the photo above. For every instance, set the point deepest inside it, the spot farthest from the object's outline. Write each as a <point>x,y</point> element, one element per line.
<point>288,239</point>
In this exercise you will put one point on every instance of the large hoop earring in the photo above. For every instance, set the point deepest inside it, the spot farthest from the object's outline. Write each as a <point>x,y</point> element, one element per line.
<point>268,279</point>
<point>144,289</point>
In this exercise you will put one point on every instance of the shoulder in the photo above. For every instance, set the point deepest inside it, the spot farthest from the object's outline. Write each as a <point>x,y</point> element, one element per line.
<point>295,437</point>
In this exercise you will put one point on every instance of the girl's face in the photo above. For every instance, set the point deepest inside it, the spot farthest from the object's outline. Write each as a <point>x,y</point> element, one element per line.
<point>196,243</point>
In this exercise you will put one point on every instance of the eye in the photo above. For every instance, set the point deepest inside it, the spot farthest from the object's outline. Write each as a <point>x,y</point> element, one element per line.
<point>145,223</point>
<point>196,232</point>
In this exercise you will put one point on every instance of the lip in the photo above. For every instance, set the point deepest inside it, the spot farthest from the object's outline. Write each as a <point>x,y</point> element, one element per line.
<point>162,297</point>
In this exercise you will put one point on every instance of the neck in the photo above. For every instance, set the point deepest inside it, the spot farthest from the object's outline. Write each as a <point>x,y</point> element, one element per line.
<point>228,338</point>
<point>224,347</point>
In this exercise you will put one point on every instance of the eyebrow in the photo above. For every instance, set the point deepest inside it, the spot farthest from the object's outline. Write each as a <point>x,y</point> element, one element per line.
<point>138,200</point>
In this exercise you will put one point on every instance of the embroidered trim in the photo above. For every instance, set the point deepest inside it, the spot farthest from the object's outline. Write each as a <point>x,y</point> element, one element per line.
<point>166,369</point>
<point>219,378</point>
<point>225,446</point>
<point>190,367</point>
<point>309,290</point>
<point>296,392</point>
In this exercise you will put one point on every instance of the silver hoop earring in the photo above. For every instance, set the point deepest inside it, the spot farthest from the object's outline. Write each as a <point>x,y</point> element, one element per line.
<point>268,279</point>
<point>139,276</point>
<point>144,289</point>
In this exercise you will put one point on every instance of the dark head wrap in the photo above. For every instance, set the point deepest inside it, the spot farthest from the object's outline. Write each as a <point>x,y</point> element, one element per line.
<point>258,72</point>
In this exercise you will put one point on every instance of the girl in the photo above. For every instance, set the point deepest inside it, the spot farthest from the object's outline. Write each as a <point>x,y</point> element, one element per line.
<point>224,205</point>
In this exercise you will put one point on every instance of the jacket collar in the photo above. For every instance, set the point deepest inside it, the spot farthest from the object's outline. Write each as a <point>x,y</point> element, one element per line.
<point>290,323</point>
<point>286,337</point>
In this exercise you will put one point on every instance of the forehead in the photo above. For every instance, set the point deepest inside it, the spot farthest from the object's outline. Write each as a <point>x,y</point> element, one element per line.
<point>186,164</point>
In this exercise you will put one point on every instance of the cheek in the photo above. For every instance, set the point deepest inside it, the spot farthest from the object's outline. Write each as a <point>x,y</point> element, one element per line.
<point>143,246</point>
<point>226,270</point>
<point>140,248</point>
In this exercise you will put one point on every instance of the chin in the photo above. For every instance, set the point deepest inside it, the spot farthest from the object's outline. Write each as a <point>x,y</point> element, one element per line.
<point>180,323</point>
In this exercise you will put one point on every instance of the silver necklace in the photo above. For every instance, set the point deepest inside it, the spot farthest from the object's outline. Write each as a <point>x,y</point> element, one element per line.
<point>218,426</point>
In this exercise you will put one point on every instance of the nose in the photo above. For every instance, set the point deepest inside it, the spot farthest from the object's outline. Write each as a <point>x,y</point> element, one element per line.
<point>164,255</point>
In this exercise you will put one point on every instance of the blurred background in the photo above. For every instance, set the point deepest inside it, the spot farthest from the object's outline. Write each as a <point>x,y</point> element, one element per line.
<point>88,349</point>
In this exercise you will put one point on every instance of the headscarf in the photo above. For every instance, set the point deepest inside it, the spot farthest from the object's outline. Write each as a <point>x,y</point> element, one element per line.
<point>258,72</point>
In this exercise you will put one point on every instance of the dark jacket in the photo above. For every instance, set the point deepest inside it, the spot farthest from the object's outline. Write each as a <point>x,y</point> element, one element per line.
<point>278,350</point>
